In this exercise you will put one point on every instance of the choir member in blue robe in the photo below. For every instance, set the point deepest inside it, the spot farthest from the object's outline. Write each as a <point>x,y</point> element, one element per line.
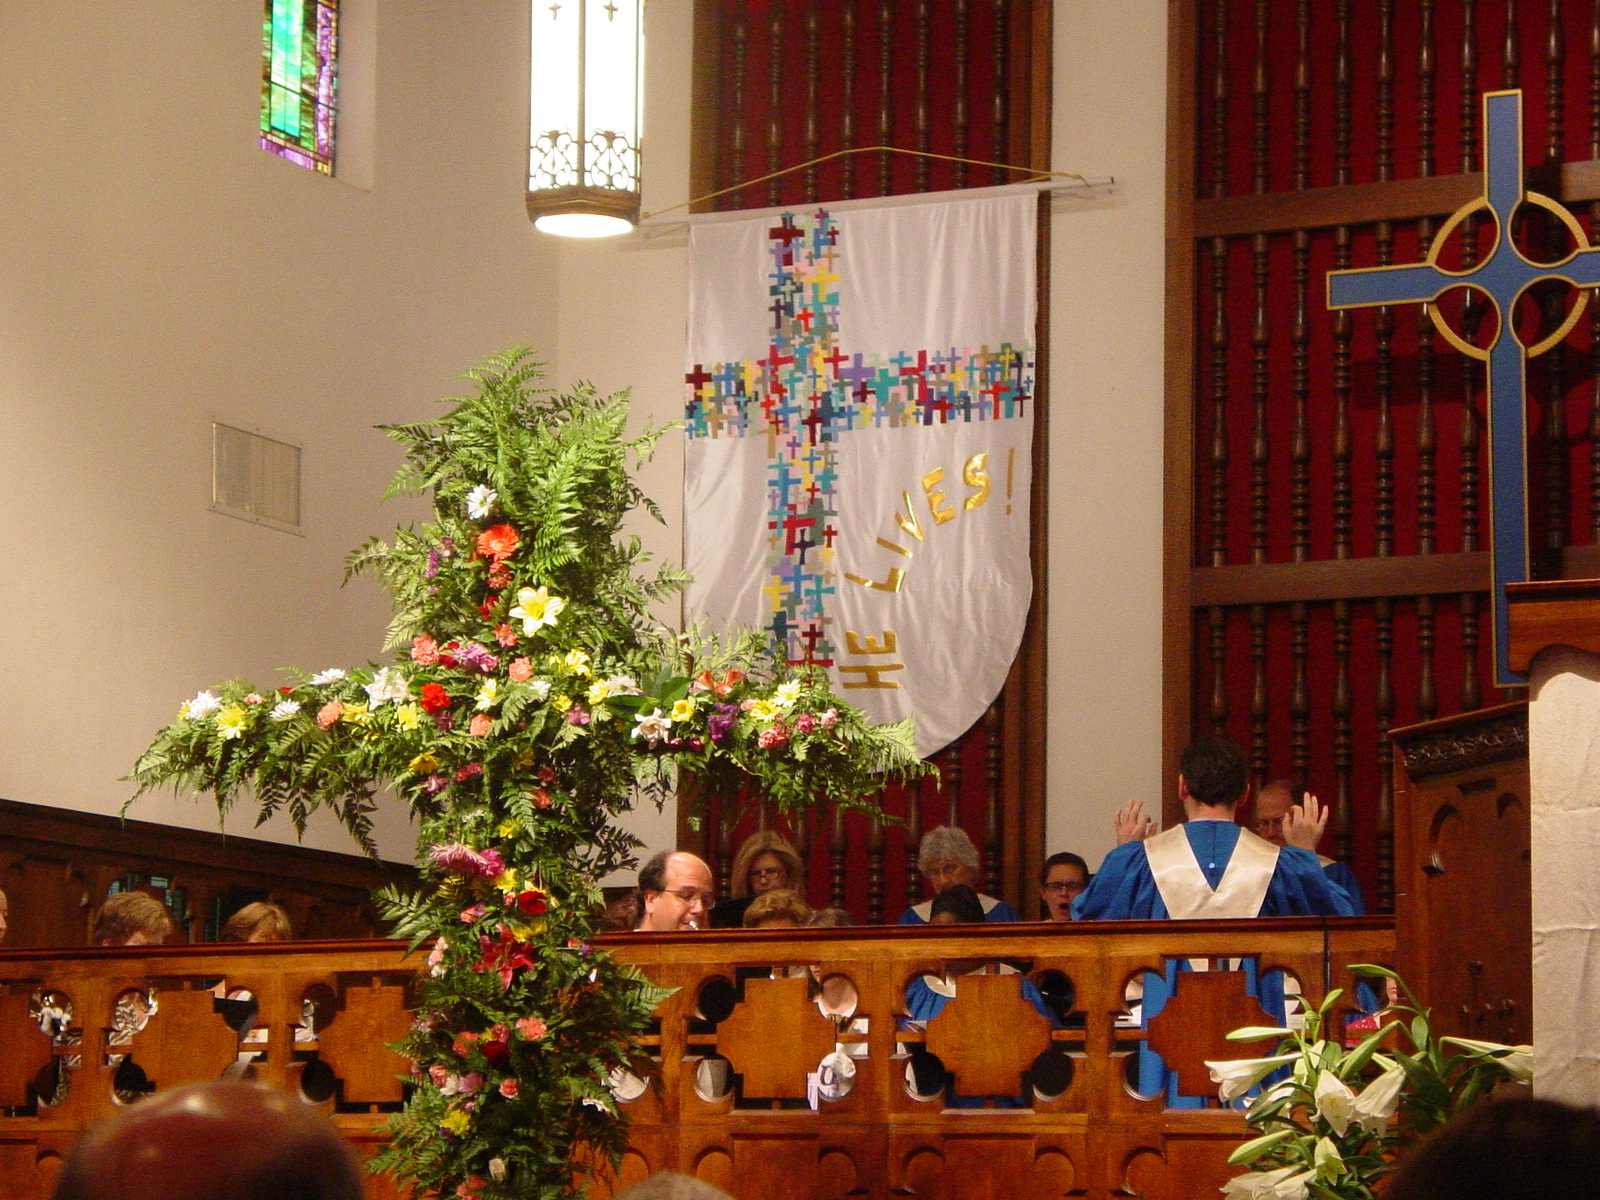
<point>946,857</point>
<point>1273,803</point>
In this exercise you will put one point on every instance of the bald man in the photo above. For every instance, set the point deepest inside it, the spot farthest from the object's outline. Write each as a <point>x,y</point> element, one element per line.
<point>213,1141</point>
<point>1273,803</point>
<point>675,892</point>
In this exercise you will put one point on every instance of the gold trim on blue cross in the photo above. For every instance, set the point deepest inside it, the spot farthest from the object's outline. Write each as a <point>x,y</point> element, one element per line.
<point>1502,276</point>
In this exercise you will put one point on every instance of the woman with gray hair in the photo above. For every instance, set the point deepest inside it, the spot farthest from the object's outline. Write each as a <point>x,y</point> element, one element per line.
<point>946,857</point>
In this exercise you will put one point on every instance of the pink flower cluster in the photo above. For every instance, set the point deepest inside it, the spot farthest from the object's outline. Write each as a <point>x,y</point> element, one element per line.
<point>465,861</point>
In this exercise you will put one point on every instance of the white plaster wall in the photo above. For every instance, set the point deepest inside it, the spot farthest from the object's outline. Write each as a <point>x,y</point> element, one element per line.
<point>159,270</point>
<point>622,323</point>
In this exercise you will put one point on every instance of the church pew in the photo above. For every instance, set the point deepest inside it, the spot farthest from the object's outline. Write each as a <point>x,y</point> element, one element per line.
<point>745,998</point>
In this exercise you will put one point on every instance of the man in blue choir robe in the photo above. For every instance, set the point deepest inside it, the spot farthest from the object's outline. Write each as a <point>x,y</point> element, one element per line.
<point>1273,803</point>
<point>1209,866</point>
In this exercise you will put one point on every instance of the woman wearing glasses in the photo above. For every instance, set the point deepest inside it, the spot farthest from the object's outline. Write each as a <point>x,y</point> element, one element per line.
<point>765,863</point>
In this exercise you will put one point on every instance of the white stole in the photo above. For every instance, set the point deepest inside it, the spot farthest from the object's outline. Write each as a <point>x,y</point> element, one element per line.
<point>1183,887</point>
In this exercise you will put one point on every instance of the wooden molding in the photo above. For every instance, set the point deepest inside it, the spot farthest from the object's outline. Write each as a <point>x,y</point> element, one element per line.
<point>1557,612</point>
<point>1339,579</point>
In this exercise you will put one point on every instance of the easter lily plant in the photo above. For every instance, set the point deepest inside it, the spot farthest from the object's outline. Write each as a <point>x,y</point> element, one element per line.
<point>1330,1120</point>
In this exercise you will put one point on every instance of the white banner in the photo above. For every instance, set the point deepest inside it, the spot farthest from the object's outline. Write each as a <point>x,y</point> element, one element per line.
<point>860,412</point>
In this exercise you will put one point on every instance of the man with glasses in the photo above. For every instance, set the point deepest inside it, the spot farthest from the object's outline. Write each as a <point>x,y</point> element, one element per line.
<point>1062,878</point>
<point>675,893</point>
<point>1273,803</point>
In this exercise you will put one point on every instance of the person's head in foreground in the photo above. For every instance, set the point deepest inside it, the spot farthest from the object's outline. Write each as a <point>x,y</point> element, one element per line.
<point>675,892</point>
<point>956,905</point>
<point>1213,777</point>
<point>132,919</point>
<point>1061,881</point>
<point>259,922</point>
<point>1512,1149</point>
<point>670,1185</point>
<point>213,1141</point>
<point>780,909</point>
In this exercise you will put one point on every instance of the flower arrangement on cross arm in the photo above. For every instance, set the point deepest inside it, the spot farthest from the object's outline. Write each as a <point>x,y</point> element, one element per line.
<point>530,700</point>
<point>1331,1128</point>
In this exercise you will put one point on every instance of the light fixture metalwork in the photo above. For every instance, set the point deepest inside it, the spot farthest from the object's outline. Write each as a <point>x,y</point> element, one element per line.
<point>584,116</point>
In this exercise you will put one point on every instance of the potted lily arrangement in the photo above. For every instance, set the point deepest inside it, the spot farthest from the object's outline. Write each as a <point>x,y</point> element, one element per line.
<point>1329,1119</point>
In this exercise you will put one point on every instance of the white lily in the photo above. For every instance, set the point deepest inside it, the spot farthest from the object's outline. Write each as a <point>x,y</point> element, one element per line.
<point>1237,1076</point>
<point>1517,1060</point>
<point>1334,1101</point>
<point>1327,1160</point>
<point>1377,1101</point>
<point>1283,1184</point>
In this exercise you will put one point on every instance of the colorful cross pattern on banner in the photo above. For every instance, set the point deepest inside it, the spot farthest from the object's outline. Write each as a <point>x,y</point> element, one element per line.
<point>804,401</point>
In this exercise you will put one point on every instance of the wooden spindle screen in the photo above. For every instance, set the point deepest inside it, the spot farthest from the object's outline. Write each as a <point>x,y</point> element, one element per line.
<point>1337,583</point>
<point>781,82</point>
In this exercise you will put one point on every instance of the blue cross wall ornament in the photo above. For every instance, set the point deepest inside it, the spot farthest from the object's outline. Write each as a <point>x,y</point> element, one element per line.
<point>1502,276</point>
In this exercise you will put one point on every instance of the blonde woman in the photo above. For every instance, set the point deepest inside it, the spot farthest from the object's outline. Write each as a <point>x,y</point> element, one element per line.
<point>766,862</point>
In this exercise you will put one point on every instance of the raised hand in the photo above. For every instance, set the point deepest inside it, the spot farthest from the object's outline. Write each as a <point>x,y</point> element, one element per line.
<point>1131,823</point>
<point>1304,822</point>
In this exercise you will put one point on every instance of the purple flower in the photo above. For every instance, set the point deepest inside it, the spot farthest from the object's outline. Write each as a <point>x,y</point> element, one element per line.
<point>433,562</point>
<point>477,657</point>
<point>434,784</point>
<point>577,716</point>
<point>444,720</point>
<point>720,721</point>
<point>448,546</point>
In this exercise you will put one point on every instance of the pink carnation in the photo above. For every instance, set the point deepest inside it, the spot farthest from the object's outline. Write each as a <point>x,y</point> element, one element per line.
<point>253,698</point>
<point>829,718</point>
<point>505,635</point>
<point>804,723</point>
<point>329,713</point>
<point>508,1088</point>
<point>520,670</point>
<point>466,861</point>
<point>439,1075</point>
<point>424,650</point>
<point>772,737</point>
<point>480,725</point>
<point>470,771</point>
<point>532,1028</point>
<point>471,1082</point>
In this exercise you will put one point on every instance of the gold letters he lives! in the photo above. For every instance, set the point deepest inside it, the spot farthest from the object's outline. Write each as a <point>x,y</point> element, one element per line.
<point>942,509</point>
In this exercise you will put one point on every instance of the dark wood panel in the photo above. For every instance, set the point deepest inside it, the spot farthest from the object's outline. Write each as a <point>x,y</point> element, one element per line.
<point>57,864</point>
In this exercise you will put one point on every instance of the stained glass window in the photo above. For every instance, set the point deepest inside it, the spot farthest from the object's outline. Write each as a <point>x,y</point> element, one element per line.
<point>299,80</point>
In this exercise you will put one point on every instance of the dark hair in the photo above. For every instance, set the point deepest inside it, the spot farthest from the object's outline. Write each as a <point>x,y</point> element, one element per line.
<point>652,878</point>
<point>1065,859</point>
<point>1513,1149</point>
<point>961,900</point>
<point>1215,771</point>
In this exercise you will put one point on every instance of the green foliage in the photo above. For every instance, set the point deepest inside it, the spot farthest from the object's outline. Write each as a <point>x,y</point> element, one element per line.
<point>532,701</point>
<point>1331,1129</point>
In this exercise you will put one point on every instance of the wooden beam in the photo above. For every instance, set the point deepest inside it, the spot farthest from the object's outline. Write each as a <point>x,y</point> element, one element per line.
<point>1339,579</point>
<point>1365,203</point>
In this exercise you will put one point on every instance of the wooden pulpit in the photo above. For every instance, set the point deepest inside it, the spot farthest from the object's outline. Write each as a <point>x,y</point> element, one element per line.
<point>1463,928</point>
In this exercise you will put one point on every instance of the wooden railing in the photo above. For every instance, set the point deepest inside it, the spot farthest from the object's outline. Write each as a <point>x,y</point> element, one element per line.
<point>1050,1104</point>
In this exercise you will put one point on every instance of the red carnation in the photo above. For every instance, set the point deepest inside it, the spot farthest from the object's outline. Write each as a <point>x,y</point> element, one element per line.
<point>434,698</point>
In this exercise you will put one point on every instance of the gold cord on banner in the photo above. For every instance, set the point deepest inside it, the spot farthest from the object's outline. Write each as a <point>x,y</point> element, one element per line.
<point>1035,175</point>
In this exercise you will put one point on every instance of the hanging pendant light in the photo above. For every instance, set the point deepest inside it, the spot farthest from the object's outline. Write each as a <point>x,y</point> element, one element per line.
<point>583,145</point>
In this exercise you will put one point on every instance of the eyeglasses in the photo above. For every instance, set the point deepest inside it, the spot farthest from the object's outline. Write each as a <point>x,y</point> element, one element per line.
<point>691,896</point>
<point>1058,888</point>
<point>767,872</point>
